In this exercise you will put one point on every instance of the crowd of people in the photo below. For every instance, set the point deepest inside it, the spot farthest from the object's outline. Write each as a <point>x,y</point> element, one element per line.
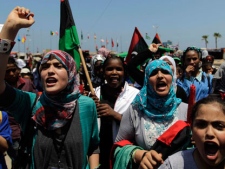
<point>137,116</point>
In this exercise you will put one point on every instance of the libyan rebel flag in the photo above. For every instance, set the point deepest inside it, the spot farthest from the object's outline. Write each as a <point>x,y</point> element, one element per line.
<point>156,39</point>
<point>137,44</point>
<point>69,40</point>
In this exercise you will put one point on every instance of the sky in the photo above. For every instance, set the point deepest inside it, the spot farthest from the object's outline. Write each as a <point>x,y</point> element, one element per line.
<point>183,22</point>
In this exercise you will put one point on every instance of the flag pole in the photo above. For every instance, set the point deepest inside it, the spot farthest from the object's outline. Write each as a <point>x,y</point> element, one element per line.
<point>19,45</point>
<point>50,42</point>
<point>121,50</point>
<point>86,71</point>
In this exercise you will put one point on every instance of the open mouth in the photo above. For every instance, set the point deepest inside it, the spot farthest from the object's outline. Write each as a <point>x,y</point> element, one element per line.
<point>211,148</point>
<point>161,85</point>
<point>114,79</point>
<point>51,81</point>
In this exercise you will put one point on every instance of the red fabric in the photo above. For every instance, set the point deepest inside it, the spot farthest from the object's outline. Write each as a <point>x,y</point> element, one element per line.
<point>222,95</point>
<point>112,43</point>
<point>81,88</point>
<point>115,145</point>
<point>137,44</point>
<point>20,83</point>
<point>191,102</point>
<point>25,85</point>
<point>168,136</point>
<point>30,61</point>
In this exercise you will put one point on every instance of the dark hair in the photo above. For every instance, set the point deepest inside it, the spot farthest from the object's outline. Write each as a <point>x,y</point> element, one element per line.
<point>113,56</point>
<point>197,50</point>
<point>179,69</point>
<point>110,57</point>
<point>207,64</point>
<point>11,60</point>
<point>207,100</point>
<point>208,59</point>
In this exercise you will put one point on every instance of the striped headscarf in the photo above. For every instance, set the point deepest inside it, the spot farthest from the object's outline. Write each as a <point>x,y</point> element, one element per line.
<point>54,111</point>
<point>156,107</point>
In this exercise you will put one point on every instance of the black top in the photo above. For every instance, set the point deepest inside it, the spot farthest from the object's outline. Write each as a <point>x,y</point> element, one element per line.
<point>106,134</point>
<point>132,65</point>
<point>66,146</point>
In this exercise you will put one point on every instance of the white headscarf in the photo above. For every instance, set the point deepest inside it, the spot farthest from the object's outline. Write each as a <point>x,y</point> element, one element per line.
<point>20,63</point>
<point>94,59</point>
<point>174,67</point>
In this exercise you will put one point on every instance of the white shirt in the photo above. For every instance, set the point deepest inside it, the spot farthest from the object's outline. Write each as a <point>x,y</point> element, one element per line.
<point>123,101</point>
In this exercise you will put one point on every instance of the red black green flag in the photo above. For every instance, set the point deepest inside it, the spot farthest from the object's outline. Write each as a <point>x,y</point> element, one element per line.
<point>137,44</point>
<point>156,39</point>
<point>69,40</point>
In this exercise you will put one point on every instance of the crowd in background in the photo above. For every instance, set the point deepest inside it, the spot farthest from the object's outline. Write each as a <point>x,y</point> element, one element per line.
<point>49,108</point>
<point>24,74</point>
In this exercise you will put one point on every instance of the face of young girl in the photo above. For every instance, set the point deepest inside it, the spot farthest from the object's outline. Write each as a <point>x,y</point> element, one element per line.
<point>192,59</point>
<point>209,133</point>
<point>54,76</point>
<point>114,73</point>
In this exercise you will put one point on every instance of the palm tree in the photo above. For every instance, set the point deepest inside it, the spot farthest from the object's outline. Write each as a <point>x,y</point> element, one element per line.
<point>216,36</point>
<point>205,38</point>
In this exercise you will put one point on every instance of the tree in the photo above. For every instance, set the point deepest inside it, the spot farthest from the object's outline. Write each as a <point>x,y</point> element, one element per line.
<point>205,38</point>
<point>216,36</point>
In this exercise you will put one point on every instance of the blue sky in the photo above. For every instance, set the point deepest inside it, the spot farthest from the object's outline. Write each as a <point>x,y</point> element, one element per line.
<point>181,21</point>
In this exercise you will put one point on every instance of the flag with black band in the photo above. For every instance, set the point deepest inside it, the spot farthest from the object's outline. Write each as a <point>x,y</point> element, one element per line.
<point>69,40</point>
<point>156,39</point>
<point>137,44</point>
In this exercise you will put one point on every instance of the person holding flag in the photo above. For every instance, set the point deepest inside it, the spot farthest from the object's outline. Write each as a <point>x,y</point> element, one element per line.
<point>112,100</point>
<point>61,124</point>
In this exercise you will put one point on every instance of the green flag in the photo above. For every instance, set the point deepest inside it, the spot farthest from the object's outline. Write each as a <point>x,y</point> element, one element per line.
<point>69,40</point>
<point>147,37</point>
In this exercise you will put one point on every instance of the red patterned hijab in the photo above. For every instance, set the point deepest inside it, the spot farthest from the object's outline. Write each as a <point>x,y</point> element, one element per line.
<point>53,112</point>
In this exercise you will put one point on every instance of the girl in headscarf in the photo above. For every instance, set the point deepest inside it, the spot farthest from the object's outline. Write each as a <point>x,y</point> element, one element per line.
<point>96,70</point>
<point>65,133</point>
<point>148,54</point>
<point>180,93</point>
<point>152,112</point>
